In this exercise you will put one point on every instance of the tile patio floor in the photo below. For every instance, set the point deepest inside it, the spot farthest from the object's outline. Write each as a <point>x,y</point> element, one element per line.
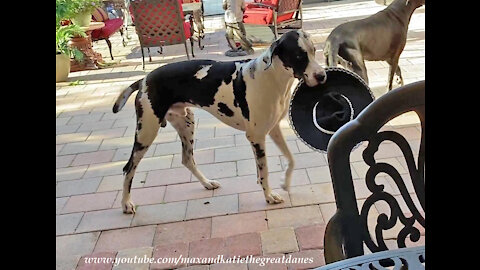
<point>173,216</point>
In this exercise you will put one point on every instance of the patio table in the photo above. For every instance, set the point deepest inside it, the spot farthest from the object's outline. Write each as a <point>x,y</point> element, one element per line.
<point>189,9</point>
<point>84,44</point>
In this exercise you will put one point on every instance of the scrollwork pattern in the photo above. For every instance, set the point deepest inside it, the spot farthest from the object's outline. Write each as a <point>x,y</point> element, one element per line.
<point>385,222</point>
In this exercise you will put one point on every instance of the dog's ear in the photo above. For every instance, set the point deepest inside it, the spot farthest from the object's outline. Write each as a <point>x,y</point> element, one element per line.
<point>268,57</point>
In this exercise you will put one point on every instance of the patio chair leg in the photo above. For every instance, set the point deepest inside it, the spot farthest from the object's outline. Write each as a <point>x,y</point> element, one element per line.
<point>275,30</point>
<point>149,56</point>
<point>126,15</point>
<point>191,45</point>
<point>109,47</point>
<point>143,58</point>
<point>124,43</point>
<point>186,50</point>
<point>301,17</point>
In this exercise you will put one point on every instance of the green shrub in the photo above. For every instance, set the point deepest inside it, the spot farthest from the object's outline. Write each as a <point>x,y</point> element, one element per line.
<point>69,8</point>
<point>66,9</point>
<point>64,34</point>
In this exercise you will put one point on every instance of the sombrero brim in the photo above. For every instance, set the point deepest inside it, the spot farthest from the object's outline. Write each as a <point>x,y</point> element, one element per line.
<point>304,98</point>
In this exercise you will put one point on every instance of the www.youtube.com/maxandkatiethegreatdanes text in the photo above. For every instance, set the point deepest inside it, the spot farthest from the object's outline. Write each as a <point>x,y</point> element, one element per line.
<point>261,261</point>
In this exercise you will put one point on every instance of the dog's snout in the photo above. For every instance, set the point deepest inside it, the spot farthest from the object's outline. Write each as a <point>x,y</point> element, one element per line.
<point>320,77</point>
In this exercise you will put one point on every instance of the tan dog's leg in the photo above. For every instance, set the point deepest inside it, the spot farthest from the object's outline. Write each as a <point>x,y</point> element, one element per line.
<point>399,80</point>
<point>185,126</point>
<point>279,140</point>
<point>394,69</point>
<point>258,145</point>
<point>355,57</point>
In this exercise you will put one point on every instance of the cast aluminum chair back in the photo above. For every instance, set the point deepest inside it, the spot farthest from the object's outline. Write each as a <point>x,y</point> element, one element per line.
<point>160,23</point>
<point>347,231</point>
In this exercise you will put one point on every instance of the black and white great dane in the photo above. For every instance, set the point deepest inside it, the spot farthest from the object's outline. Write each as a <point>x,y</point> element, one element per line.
<point>249,95</point>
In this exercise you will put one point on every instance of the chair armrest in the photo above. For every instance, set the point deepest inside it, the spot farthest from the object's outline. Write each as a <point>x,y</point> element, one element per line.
<point>252,5</point>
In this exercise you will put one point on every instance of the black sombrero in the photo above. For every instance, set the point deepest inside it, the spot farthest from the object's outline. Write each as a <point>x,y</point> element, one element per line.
<point>317,112</point>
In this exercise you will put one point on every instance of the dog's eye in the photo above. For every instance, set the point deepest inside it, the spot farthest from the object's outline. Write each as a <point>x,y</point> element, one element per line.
<point>299,56</point>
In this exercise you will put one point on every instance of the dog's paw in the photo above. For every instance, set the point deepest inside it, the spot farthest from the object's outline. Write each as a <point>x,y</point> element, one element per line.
<point>128,207</point>
<point>284,185</point>
<point>212,184</point>
<point>273,198</point>
<point>398,81</point>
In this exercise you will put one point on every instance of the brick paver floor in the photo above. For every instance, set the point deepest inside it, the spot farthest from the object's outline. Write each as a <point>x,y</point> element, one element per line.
<point>175,214</point>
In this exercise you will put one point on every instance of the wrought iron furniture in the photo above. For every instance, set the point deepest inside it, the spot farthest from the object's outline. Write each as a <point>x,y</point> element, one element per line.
<point>122,6</point>
<point>111,27</point>
<point>194,10</point>
<point>160,23</point>
<point>275,14</point>
<point>413,258</point>
<point>347,231</point>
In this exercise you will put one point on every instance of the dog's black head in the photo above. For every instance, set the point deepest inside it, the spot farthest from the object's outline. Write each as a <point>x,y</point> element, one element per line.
<point>296,53</point>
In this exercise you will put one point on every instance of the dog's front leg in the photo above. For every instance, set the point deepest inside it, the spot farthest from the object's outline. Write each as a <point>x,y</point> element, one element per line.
<point>258,146</point>
<point>279,140</point>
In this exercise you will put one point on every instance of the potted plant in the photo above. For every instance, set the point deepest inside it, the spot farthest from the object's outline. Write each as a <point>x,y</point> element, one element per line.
<point>64,32</point>
<point>63,50</point>
<point>81,10</point>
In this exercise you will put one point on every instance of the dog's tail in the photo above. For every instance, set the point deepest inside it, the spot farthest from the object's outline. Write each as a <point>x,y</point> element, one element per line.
<point>123,97</point>
<point>331,53</point>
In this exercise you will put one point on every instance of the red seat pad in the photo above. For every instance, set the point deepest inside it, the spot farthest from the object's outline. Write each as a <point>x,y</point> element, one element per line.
<point>111,26</point>
<point>186,27</point>
<point>263,16</point>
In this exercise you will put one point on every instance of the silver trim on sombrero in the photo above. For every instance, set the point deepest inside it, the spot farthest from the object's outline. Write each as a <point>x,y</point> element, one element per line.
<point>329,132</point>
<point>300,82</point>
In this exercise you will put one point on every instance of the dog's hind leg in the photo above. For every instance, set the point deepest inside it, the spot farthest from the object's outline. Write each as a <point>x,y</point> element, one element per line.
<point>398,73</point>
<point>185,126</point>
<point>330,51</point>
<point>258,145</point>
<point>357,63</point>
<point>146,131</point>
<point>399,80</point>
<point>279,140</point>
<point>394,69</point>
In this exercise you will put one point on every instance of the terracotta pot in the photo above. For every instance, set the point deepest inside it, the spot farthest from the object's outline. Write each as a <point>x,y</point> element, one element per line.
<point>82,19</point>
<point>63,67</point>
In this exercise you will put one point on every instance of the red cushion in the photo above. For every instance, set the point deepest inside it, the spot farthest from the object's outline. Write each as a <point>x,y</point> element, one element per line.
<point>263,16</point>
<point>111,26</point>
<point>258,16</point>
<point>285,17</point>
<point>186,27</point>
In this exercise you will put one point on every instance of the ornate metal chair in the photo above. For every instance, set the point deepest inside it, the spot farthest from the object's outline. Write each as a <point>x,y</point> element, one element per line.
<point>347,231</point>
<point>121,6</point>
<point>160,23</point>
<point>111,27</point>
<point>275,14</point>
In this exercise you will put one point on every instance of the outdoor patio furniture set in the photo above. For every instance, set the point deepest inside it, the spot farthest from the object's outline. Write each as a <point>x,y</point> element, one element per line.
<point>161,23</point>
